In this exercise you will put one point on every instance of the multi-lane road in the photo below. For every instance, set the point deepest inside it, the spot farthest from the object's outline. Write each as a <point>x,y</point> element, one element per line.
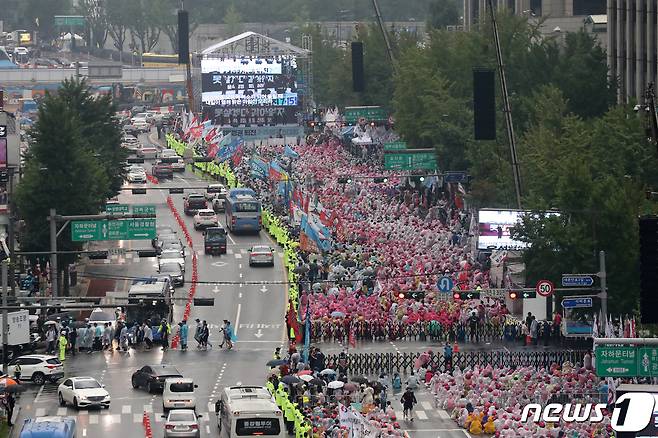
<point>255,310</point>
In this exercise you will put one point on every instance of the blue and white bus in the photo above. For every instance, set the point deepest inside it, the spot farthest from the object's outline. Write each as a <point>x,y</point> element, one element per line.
<point>243,211</point>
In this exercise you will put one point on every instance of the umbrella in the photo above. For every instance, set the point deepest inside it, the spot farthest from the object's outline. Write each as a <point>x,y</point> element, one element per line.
<point>304,372</point>
<point>327,371</point>
<point>337,314</point>
<point>12,389</point>
<point>49,323</point>
<point>290,380</point>
<point>335,384</point>
<point>301,269</point>
<point>306,377</point>
<point>359,379</point>
<point>276,362</point>
<point>351,387</point>
<point>317,382</point>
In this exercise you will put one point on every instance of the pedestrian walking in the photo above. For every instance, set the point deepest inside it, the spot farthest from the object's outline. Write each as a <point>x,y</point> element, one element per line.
<point>165,331</point>
<point>183,335</point>
<point>17,372</point>
<point>51,339</point>
<point>228,334</point>
<point>123,338</point>
<point>73,339</point>
<point>107,336</point>
<point>98,333</point>
<point>447,356</point>
<point>148,335</point>
<point>62,346</point>
<point>408,401</point>
<point>204,334</point>
<point>197,333</point>
<point>396,382</point>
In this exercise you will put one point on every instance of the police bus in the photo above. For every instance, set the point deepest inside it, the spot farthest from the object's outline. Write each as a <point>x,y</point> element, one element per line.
<point>242,211</point>
<point>249,411</point>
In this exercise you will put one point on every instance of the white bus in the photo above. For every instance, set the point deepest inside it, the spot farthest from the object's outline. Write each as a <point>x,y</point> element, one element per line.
<point>249,411</point>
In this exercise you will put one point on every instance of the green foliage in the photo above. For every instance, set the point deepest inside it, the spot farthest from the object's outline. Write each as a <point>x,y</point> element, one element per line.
<point>443,13</point>
<point>233,21</point>
<point>40,15</point>
<point>74,163</point>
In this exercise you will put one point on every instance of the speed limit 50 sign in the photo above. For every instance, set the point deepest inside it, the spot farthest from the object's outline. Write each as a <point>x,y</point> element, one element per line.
<point>545,288</point>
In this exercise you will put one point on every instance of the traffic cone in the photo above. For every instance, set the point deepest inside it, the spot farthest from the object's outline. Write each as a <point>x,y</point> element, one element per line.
<point>455,347</point>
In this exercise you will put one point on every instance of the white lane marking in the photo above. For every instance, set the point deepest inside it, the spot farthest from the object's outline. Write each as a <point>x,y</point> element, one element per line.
<point>240,265</point>
<point>231,239</point>
<point>40,412</point>
<point>93,419</point>
<point>126,409</point>
<point>443,415</point>
<point>240,295</point>
<point>148,408</point>
<point>240,274</point>
<point>211,407</point>
<point>113,418</point>
<point>237,320</point>
<point>138,418</point>
<point>61,412</point>
<point>398,415</point>
<point>207,429</point>
<point>84,432</point>
<point>421,415</point>
<point>238,255</point>
<point>229,251</point>
<point>36,399</point>
<point>427,405</point>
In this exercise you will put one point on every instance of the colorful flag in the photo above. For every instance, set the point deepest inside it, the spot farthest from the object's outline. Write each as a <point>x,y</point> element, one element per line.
<point>352,338</point>
<point>289,152</point>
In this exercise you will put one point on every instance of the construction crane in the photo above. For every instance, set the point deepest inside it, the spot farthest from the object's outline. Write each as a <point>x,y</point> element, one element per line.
<point>380,21</point>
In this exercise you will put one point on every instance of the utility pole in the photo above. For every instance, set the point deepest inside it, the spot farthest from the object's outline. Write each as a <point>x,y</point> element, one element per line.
<point>380,21</point>
<point>507,109</point>
<point>5,319</point>
<point>604,285</point>
<point>53,255</point>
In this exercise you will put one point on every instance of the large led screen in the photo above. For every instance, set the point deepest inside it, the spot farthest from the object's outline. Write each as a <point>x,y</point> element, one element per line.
<point>495,229</point>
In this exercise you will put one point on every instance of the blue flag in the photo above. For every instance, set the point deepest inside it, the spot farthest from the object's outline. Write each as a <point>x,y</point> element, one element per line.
<point>307,334</point>
<point>289,152</point>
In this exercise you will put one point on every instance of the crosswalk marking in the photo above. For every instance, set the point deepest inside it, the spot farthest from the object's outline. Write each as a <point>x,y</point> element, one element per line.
<point>238,255</point>
<point>93,419</point>
<point>427,405</point>
<point>243,250</point>
<point>126,409</point>
<point>229,251</point>
<point>137,418</point>
<point>40,412</point>
<point>398,415</point>
<point>211,407</point>
<point>148,408</point>
<point>443,415</point>
<point>61,412</point>
<point>113,418</point>
<point>421,415</point>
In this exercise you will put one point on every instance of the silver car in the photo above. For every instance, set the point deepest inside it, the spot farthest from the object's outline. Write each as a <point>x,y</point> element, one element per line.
<point>182,423</point>
<point>171,256</point>
<point>261,255</point>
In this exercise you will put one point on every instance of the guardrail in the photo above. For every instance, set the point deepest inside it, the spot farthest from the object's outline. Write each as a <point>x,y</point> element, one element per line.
<point>57,75</point>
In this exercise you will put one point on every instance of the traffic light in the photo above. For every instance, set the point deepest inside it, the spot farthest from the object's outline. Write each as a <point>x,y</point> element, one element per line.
<point>466,295</point>
<point>418,295</point>
<point>520,295</point>
<point>513,295</point>
<point>402,295</point>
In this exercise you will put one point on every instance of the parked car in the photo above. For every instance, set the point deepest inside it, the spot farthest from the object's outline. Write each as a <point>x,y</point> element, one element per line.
<point>261,255</point>
<point>152,377</point>
<point>205,218</point>
<point>38,368</point>
<point>83,392</point>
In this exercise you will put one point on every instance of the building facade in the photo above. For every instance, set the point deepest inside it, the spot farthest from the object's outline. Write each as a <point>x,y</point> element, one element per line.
<point>474,9</point>
<point>632,46</point>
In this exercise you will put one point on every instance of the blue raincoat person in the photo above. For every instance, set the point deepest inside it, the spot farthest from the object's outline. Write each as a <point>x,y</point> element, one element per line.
<point>183,334</point>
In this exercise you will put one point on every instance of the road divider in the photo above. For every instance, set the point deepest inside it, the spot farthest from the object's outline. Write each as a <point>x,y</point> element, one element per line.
<point>146,422</point>
<point>195,267</point>
<point>152,179</point>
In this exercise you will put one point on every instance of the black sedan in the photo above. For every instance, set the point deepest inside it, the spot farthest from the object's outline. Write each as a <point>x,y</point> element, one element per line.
<point>174,272</point>
<point>152,377</point>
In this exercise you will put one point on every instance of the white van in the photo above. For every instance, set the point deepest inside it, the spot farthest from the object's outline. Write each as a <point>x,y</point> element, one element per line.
<point>248,411</point>
<point>178,393</point>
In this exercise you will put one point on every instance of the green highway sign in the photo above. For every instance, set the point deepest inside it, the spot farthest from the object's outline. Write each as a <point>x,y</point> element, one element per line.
<point>410,161</point>
<point>144,209</point>
<point>69,20</point>
<point>370,113</point>
<point>395,146</point>
<point>117,208</point>
<point>648,360</point>
<point>613,361</point>
<point>123,229</point>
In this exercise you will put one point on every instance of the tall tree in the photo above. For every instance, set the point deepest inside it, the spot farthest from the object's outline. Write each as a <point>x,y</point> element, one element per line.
<point>143,25</point>
<point>94,12</point>
<point>60,172</point>
<point>233,21</point>
<point>442,13</point>
<point>117,22</point>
